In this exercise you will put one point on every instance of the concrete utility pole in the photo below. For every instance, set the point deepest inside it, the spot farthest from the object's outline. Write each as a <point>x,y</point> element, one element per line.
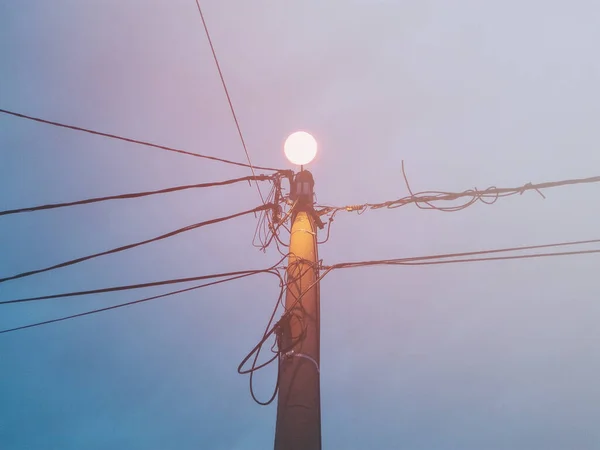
<point>299,401</point>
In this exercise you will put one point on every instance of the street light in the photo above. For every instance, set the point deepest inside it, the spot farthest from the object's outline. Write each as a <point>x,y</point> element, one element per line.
<point>300,148</point>
<point>298,423</point>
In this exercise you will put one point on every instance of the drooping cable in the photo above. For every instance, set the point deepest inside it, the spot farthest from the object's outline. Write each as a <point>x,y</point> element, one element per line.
<point>134,195</point>
<point>136,244</point>
<point>426,199</point>
<point>122,305</point>
<point>448,258</point>
<point>329,222</point>
<point>263,219</point>
<point>271,221</point>
<point>274,329</point>
<point>133,141</point>
<point>139,285</point>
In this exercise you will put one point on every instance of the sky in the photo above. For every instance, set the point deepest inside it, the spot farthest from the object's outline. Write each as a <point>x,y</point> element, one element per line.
<point>497,355</point>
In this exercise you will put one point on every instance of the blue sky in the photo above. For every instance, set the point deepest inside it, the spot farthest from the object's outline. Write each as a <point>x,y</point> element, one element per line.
<point>497,355</point>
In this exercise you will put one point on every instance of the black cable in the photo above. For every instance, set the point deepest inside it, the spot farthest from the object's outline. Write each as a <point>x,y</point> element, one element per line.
<point>263,217</point>
<point>134,195</point>
<point>133,141</point>
<point>235,119</point>
<point>488,196</point>
<point>257,354</point>
<point>275,329</point>
<point>126,287</point>
<point>130,246</point>
<point>500,258</point>
<point>275,230</point>
<point>331,218</point>
<point>121,305</point>
<point>417,260</point>
<point>140,285</point>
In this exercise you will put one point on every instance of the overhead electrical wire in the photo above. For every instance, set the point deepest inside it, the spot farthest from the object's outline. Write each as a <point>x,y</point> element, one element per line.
<point>426,199</point>
<point>133,141</point>
<point>139,285</point>
<point>122,305</point>
<point>134,195</point>
<point>500,258</point>
<point>136,244</point>
<point>235,119</point>
<point>329,222</point>
<point>274,329</point>
<point>448,258</point>
<point>263,219</point>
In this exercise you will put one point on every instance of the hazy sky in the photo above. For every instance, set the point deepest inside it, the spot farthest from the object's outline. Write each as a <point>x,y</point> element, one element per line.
<point>500,355</point>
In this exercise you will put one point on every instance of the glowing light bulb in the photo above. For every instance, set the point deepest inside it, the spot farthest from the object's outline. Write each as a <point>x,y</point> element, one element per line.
<point>300,148</point>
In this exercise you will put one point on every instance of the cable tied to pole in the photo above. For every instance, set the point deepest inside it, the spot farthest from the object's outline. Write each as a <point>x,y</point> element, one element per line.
<point>281,329</point>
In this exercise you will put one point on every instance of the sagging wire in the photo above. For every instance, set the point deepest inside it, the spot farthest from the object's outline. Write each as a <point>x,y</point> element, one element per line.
<point>427,199</point>
<point>261,227</point>
<point>329,222</point>
<point>134,141</point>
<point>134,195</point>
<point>227,277</point>
<point>276,328</point>
<point>473,256</point>
<point>135,244</point>
<point>271,221</point>
<point>274,235</point>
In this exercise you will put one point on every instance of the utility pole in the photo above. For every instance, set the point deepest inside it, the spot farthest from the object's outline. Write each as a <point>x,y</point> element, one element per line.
<point>299,401</point>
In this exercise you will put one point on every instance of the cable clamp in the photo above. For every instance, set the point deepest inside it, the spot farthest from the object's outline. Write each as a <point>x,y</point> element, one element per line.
<point>351,208</point>
<point>293,353</point>
<point>525,187</point>
<point>529,186</point>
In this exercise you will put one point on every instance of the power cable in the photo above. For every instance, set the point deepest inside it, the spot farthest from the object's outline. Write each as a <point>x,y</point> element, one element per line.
<point>275,329</point>
<point>431,259</point>
<point>426,199</point>
<point>140,285</point>
<point>122,305</point>
<point>136,244</point>
<point>331,218</point>
<point>134,195</point>
<point>500,258</point>
<point>133,141</point>
<point>235,119</point>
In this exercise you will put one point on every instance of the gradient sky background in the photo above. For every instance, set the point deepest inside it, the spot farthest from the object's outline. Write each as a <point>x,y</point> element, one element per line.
<point>493,355</point>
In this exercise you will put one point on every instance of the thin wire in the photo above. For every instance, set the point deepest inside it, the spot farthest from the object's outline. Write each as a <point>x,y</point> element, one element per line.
<point>133,141</point>
<point>426,199</point>
<point>418,260</point>
<point>263,218</point>
<point>130,246</point>
<point>258,349</point>
<point>274,329</point>
<point>235,119</point>
<point>138,286</point>
<point>122,305</point>
<point>275,232</point>
<point>331,218</point>
<point>501,258</point>
<point>133,195</point>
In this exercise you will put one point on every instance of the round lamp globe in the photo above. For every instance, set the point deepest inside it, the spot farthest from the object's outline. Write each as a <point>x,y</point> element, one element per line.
<point>300,148</point>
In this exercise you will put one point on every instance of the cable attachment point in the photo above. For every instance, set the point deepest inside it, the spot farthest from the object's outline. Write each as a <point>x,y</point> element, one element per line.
<point>530,186</point>
<point>289,355</point>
